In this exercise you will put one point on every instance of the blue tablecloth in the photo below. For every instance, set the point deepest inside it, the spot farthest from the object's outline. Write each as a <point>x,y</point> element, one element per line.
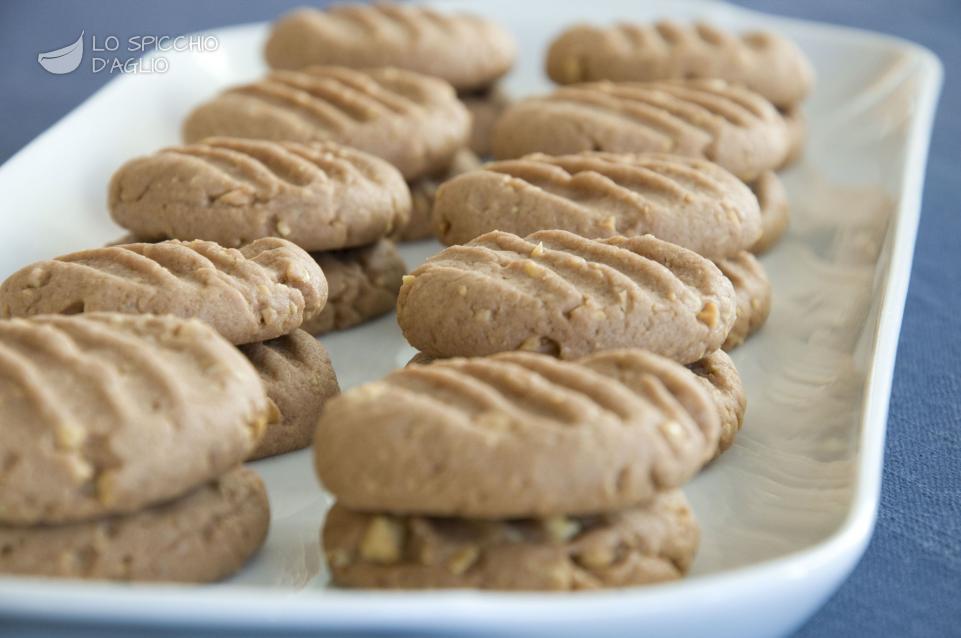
<point>909,582</point>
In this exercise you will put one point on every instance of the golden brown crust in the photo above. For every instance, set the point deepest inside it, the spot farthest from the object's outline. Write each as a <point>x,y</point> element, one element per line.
<point>201,537</point>
<point>321,196</point>
<point>686,201</point>
<point>710,119</point>
<point>560,293</point>
<point>261,291</point>
<point>299,379</point>
<point>413,121</point>
<point>635,546</point>
<point>106,413</point>
<point>363,284</point>
<point>517,434</point>
<point>762,61</point>
<point>753,291</point>
<point>468,51</point>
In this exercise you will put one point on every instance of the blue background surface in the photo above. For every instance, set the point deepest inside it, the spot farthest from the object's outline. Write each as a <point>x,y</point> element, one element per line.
<point>909,582</point>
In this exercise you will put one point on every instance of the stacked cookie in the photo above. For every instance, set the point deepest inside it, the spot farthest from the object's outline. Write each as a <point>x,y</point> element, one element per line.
<point>256,297</point>
<point>336,202</point>
<point>691,202</point>
<point>516,471</point>
<point>764,62</point>
<point>412,121</point>
<point>466,51</point>
<point>123,439</point>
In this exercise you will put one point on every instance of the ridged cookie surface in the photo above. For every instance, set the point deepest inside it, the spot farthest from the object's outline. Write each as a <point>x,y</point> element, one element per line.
<point>775,210</point>
<point>321,196</point>
<point>752,288</point>
<point>362,282</point>
<point>413,121</point>
<point>566,295</point>
<point>261,291</point>
<point>298,377</point>
<point>201,537</point>
<point>723,382</point>
<point>686,201</point>
<point>105,413</point>
<point>764,62</point>
<point>517,435</point>
<point>468,51</point>
<point>635,546</point>
<point>710,119</point>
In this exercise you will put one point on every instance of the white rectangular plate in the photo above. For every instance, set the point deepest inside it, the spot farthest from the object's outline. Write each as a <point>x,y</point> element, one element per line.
<point>785,514</point>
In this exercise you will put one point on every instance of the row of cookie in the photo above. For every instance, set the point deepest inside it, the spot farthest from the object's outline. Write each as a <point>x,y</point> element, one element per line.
<point>521,471</point>
<point>257,297</point>
<point>472,54</point>
<point>122,448</point>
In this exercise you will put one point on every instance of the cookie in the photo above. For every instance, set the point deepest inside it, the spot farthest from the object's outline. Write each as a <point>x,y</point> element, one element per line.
<point>413,121</point>
<point>720,378</point>
<point>363,284</point>
<point>423,191</point>
<point>466,50</point>
<point>562,294</point>
<point>723,382</point>
<point>298,377</point>
<point>797,131</point>
<point>768,64</point>
<point>517,434</point>
<point>320,196</point>
<point>106,413</point>
<point>636,546</point>
<point>689,202</point>
<point>775,210</point>
<point>485,107</point>
<point>261,291</point>
<point>710,119</point>
<point>201,537</point>
<point>752,288</point>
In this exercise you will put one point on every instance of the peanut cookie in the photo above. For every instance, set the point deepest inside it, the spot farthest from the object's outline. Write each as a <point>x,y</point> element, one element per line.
<point>201,537</point>
<point>517,434</point>
<point>764,62</point>
<point>566,295</point>
<point>261,291</point>
<point>413,121</point>
<point>752,288</point>
<point>710,119</point>
<point>775,210</point>
<point>687,201</point>
<point>634,546</point>
<point>320,196</point>
<point>468,51</point>
<point>485,108</point>
<point>298,377</point>
<point>106,413</point>
<point>723,382</point>
<point>423,191</point>
<point>363,284</point>
<point>797,132</point>
<point>720,378</point>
